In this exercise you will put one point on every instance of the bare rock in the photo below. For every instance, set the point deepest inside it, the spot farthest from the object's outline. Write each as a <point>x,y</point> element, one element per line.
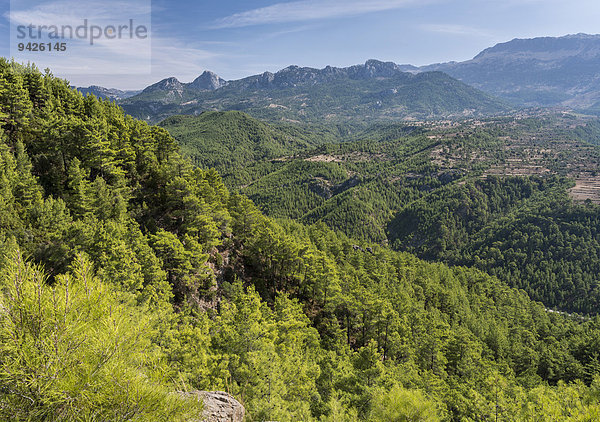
<point>219,406</point>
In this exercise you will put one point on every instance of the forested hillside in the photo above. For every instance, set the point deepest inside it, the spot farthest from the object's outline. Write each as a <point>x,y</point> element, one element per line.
<point>239,147</point>
<point>128,274</point>
<point>524,230</point>
<point>495,194</point>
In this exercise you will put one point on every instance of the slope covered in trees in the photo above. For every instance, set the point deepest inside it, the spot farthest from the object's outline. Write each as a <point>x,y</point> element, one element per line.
<point>490,194</point>
<point>526,231</point>
<point>124,265</point>
<point>233,143</point>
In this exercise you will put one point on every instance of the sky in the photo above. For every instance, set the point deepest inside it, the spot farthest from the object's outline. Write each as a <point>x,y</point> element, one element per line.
<point>238,38</point>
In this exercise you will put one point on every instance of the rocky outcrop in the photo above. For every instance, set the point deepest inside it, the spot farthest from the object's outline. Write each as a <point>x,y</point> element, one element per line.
<point>293,76</point>
<point>168,84</point>
<point>218,406</point>
<point>108,93</point>
<point>208,81</point>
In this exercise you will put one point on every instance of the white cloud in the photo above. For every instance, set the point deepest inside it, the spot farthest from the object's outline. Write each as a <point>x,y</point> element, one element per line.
<point>124,55</point>
<point>121,63</point>
<point>452,29</point>
<point>306,10</point>
<point>71,12</point>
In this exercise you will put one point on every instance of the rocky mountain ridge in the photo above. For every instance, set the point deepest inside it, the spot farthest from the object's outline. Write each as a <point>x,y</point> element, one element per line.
<point>545,71</point>
<point>374,90</point>
<point>109,93</point>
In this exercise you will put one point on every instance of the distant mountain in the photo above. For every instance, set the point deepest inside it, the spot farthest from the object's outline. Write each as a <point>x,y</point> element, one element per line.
<point>546,71</point>
<point>372,91</point>
<point>293,76</point>
<point>208,81</point>
<point>110,93</point>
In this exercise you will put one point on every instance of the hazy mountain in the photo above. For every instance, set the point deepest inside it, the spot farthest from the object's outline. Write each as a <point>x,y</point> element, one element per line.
<point>372,91</point>
<point>546,71</point>
<point>110,93</point>
<point>169,89</point>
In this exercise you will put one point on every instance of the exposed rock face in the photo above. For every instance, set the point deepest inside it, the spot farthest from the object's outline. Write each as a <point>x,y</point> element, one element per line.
<point>219,407</point>
<point>208,81</point>
<point>374,69</point>
<point>293,76</point>
<point>109,93</point>
<point>168,84</point>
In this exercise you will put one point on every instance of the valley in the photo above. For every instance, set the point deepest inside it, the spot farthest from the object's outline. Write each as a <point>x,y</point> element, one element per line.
<point>428,187</point>
<point>366,243</point>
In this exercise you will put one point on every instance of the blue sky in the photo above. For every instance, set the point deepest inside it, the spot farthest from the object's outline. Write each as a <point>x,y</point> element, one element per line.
<point>237,38</point>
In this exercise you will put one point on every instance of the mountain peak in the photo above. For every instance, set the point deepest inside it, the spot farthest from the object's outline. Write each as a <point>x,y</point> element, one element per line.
<point>379,63</point>
<point>168,84</point>
<point>170,81</point>
<point>582,36</point>
<point>545,48</point>
<point>290,68</point>
<point>208,81</point>
<point>374,69</point>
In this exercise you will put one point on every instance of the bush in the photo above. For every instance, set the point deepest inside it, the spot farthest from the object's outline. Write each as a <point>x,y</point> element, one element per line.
<point>401,405</point>
<point>75,351</point>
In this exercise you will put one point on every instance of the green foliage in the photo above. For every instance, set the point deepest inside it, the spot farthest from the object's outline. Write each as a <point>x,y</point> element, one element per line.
<point>420,190</point>
<point>523,230</point>
<point>230,142</point>
<point>73,352</point>
<point>400,405</point>
<point>196,289</point>
<point>271,355</point>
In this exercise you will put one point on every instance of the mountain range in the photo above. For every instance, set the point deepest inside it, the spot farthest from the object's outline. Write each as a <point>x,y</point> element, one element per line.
<point>545,71</point>
<point>373,91</point>
<point>107,93</point>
